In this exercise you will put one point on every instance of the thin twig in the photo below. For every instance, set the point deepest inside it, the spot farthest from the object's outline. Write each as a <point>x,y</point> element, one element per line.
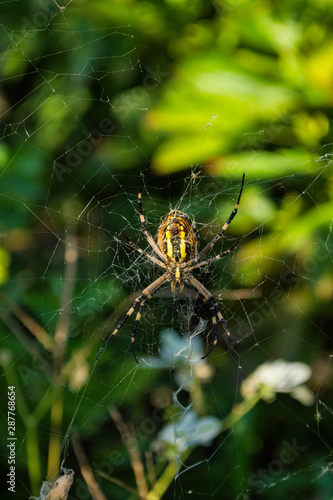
<point>86,470</point>
<point>25,340</point>
<point>118,482</point>
<point>129,440</point>
<point>240,293</point>
<point>61,332</point>
<point>150,467</point>
<point>30,324</point>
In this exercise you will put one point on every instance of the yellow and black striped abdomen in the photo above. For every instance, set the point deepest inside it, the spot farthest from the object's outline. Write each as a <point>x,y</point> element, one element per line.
<point>177,237</point>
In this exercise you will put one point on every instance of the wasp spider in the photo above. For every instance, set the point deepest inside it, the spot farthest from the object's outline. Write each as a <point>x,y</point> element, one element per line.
<point>176,252</point>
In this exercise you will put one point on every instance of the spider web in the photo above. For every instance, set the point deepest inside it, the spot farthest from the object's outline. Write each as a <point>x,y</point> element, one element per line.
<point>69,190</point>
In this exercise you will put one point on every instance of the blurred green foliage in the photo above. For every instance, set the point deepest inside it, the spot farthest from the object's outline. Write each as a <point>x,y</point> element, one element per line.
<point>93,91</point>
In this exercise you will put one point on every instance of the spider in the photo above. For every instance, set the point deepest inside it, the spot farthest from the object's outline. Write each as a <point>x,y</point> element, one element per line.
<point>177,254</point>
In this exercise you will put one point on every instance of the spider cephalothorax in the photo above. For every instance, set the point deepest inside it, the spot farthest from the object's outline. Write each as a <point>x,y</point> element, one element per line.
<point>177,249</point>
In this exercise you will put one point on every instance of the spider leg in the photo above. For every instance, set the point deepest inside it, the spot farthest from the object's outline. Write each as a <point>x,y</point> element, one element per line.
<point>224,228</point>
<point>147,255</point>
<point>216,333</point>
<point>215,258</point>
<point>216,313</point>
<point>141,299</point>
<point>136,322</point>
<point>149,237</point>
<point>120,324</point>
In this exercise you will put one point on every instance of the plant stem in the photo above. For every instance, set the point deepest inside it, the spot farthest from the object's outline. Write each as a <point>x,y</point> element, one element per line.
<point>32,448</point>
<point>60,337</point>
<point>30,424</point>
<point>163,482</point>
<point>238,412</point>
